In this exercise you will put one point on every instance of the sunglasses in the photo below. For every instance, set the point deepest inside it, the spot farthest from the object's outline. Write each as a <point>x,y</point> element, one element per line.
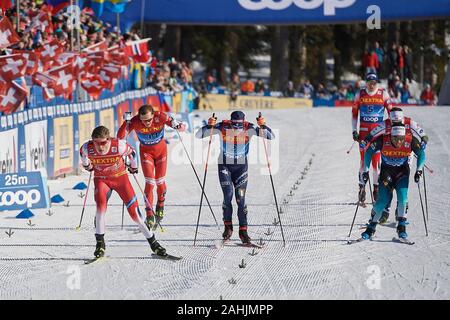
<point>101,143</point>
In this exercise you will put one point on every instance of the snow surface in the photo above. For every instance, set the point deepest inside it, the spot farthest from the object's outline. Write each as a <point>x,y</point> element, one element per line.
<point>41,261</point>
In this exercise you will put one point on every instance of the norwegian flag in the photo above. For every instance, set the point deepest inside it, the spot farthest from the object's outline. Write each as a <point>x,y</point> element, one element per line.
<point>13,98</point>
<point>12,66</point>
<point>42,22</point>
<point>138,50</point>
<point>32,60</point>
<point>8,35</point>
<point>64,80</point>
<point>101,46</point>
<point>94,86</point>
<point>51,51</point>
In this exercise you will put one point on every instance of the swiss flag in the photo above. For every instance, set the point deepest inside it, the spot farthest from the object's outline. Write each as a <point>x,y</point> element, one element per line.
<point>8,35</point>
<point>32,59</point>
<point>13,98</point>
<point>64,80</point>
<point>5,5</point>
<point>12,66</point>
<point>138,50</point>
<point>93,85</point>
<point>109,75</point>
<point>66,57</point>
<point>94,64</point>
<point>101,46</point>
<point>50,51</point>
<point>118,56</point>
<point>3,86</point>
<point>43,80</point>
<point>43,22</point>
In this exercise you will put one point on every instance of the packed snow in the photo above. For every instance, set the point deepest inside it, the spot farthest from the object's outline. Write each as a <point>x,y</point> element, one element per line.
<point>316,186</point>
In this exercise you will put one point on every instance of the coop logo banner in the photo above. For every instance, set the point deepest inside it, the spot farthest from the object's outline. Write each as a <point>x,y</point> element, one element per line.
<point>20,191</point>
<point>329,6</point>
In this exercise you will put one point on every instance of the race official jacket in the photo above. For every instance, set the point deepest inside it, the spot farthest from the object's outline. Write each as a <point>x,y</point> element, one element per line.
<point>150,136</point>
<point>111,164</point>
<point>370,107</point>
<point>235,143</point>
<point>416,130</point>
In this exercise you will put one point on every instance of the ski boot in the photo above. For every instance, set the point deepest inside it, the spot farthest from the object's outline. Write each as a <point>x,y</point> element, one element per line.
<point>375,193</point>
<point>362,194</point>
<point>159,213</point>
<point>370,231</point>
<point>243,235</point>
<point>384,217</point>
<point>156,247</point>
<point>100,246</point>
<point>401,228</point>
<point>228,231</point>
<point>150,221</point>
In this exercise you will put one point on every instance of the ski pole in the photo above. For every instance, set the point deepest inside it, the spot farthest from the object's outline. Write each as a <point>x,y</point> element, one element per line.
<point>425,191</point>
<point>426,167</point>
<point>273,187</point>
<point>145,198</point>
<point>84,204</point>
<point>204,180</point>
<point>348,151</point>
<point>354,217</point>
<point>123,213</point>
<point>370,189</point>
<point>198,179</point>
<point>423,212</point>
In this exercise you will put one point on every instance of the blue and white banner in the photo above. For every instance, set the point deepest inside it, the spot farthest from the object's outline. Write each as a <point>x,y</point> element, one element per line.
<point>20,191</point>
<point>276,11</point>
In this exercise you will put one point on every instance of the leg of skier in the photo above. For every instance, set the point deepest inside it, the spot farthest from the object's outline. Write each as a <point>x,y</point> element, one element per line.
<point>239,177</point>
<point>101,192</point>
<point>402,198</point>
<point>385,193</point>
<point>161,188</point>
<point>376,163</point>
<point>362,187</point>
<point>227,189</point>
<point>148,169</point>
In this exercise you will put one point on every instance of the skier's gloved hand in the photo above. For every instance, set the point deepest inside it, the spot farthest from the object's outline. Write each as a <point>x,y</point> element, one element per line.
<point>423,144</point>
<point>180,126</point>
<point>261,121</point>
<point>89,167</point>
<point>355,135</point>
<point>417,176</point>
<point>212,121</point>
<point>133,170</point>
<point>365,176</point>
<point>127,116</point>
<point>363,144</point>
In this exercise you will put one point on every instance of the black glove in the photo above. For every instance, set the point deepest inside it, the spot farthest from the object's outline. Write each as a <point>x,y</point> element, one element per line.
<point>355,136</point>
<point>417,176</point>
<point>365,177</point>
<point>89,167</point>
<point>133,170</point>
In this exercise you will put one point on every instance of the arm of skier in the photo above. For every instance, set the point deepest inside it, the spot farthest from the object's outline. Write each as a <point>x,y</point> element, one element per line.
<point>85,161</point>
<point>125,129</point>
<point>374,147</point>
<point>355,112</point>
<point>420,134</point>
<point>210,129</point>
<point>129,156</point>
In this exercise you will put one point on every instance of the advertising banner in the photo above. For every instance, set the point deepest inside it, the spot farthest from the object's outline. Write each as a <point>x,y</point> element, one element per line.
<point>23,191</point>
<point>36,146</point>
<point>107,120</point>
<point>9,156</point>
<point>63,141</point>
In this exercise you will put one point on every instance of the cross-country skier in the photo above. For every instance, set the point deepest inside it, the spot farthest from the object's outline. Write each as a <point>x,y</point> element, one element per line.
<point>109,158</point>
<point>370,104</point>
<point>396,116</point>
<point>149,127</point>
<point>396,146</point>
<point>235,135</point>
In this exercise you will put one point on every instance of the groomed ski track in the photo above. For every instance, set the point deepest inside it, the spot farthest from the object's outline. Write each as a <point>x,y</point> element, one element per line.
<point>316,184</point>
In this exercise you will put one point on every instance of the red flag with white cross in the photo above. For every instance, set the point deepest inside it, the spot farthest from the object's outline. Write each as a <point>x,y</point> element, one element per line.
<point>51,51</point>
<point>64,80</point>
<point>32,60</point>
<point>93,85</point>
<point>12,66</point>
<point>8,35</point>
<point>13,98</point>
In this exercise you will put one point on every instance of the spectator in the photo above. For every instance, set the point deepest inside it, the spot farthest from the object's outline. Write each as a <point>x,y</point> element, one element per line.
<point>307,89</point>
<point>428,97</point>
<point>342,93</point>
<point>392,58</point>
<point>321,91</point>
<point>247,87</point>
<point>408,63</point>
<point>370,62</point>
<point>290,91</point>
<point>350,96</point>
<point>380,54</point>
<point>401,63</point>
<point>404,92</point>
<point>260,87</point>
